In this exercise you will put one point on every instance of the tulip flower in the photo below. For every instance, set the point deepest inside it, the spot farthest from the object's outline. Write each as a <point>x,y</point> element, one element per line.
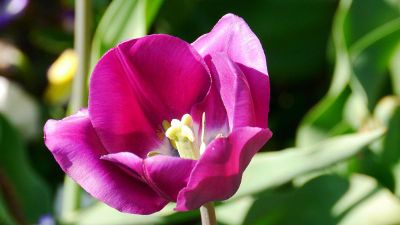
<point>168,121</point>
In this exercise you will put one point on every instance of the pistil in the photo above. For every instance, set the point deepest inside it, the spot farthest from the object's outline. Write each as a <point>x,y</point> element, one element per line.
<point>182,137</point>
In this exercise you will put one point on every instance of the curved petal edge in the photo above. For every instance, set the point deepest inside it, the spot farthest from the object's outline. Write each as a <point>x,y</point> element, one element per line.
<point>218,173</point>
<point>77,149</point>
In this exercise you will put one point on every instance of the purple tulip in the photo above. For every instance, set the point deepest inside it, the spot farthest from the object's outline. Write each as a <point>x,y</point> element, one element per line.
<point>169,121</point>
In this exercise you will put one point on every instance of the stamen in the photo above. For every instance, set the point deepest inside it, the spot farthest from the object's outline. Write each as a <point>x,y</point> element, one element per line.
<point>166,125</point>
<point>181,133</point>
<point>203,132</point>
<point>187,120</point>
<point>153,153</point>
<point>175,122</point>
<point>188,133</point>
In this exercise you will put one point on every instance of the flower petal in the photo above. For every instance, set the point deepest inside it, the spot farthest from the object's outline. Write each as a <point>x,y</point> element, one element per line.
<point>140,83</point>
<point>115,111</point>
<point>168,74</point>
<point>218,173</point>
<point>216,119</point>
<point>76,147</point>
<point>234,90</point>
<point>128,161</point>
<point>234,37</point>
<point>165,174</point>
<point>170,174</point>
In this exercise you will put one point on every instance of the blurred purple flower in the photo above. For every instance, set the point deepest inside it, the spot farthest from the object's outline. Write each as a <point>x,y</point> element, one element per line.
<point>47,220</point>
<point>122,149</point>
<point>10,8</point>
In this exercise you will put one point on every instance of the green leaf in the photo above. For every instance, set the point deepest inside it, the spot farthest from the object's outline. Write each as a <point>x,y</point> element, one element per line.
<point>321,120</point>
<point>356,112</point>
<point>328,200</point>
<point>5,217</point>
<point>152,7</point>
<point>395,71</point>
<point>123,20</point>
<point>320,123</point>
<point>101,214</point>
<point>29,196</point>
<point>387,149</point>
<point>274,21</point>
<point>234,213</point>
<point>371,40</point>
<point>282,166</point>
<point>371,57</point>
<point>361,20</point>
<point>364,46</point>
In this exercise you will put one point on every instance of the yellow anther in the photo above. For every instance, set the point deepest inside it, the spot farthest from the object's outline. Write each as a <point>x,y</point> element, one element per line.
<point>187,133</point>
<point>175,122</point>
<point>165,125</point>
<point>173,132</point>
<point>187,120</point>
<point>181,134</point>
<point>153,153</point>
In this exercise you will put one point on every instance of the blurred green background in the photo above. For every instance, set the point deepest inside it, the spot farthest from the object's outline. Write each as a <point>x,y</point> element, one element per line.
<point>335,107</point>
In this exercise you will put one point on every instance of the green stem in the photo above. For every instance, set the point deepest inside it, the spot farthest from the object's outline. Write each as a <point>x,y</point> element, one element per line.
<point>82,48</point>
<point>70,201</point>
<point>72,192</point>
<point>207,213</point>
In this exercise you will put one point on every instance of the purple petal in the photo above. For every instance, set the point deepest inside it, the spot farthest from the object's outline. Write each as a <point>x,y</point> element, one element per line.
<point>218,173</point>
<point>140,83</point>
<point>170,174</point>
<point>165,174</point>
<point>129,162</point>
<point>234,90</point>
<point>234,37</point>
<point>115,111</point>
<point>168,74</point>
<point>216,119</point>
<point>76,147</point>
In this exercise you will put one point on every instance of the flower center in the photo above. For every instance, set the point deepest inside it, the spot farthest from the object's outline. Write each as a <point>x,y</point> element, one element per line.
<point>182,138</point>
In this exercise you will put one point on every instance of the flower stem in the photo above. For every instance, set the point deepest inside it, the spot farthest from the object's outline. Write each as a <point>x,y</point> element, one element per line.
<point>207,213</point>
<point>72,192</point>
<point>82,48</point>
<point>70,200</point>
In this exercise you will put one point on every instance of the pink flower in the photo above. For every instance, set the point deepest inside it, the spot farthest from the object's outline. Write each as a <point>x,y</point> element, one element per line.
<point>122,150</point>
